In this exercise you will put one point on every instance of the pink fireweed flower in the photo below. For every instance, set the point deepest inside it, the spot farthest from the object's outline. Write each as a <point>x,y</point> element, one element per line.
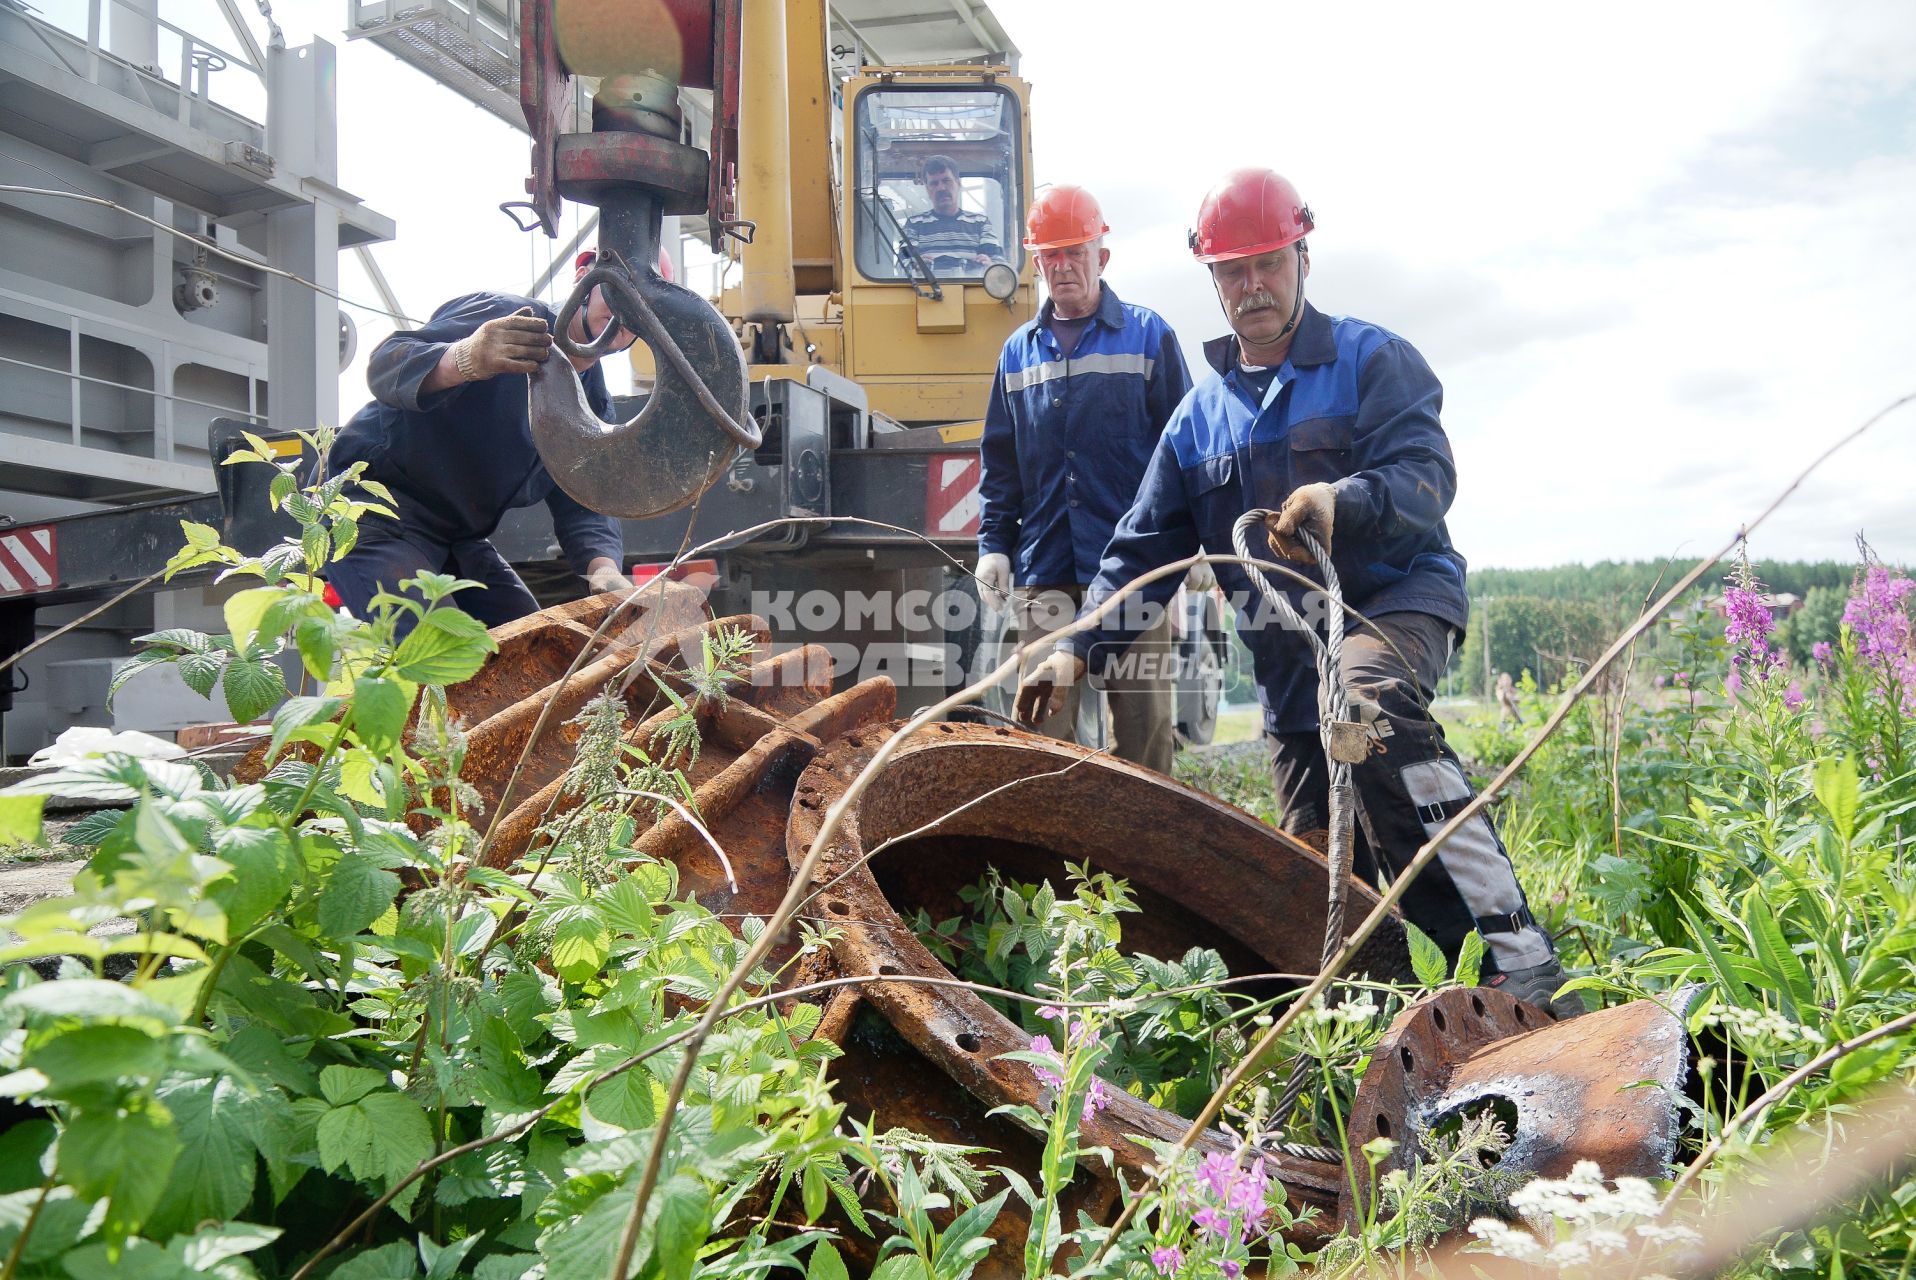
<point>1247,1197</point>
<point>1096,1099</point>
<point>1167,1259</point>
<point>1747,622</point>
<point>1747,627</point>
<point>1217,1173</point>
<point>1822,652</point>
<point>1793,696</point>
<point>1879,621</point>
<point>1046,1077</point>
<point>1214,1220</point>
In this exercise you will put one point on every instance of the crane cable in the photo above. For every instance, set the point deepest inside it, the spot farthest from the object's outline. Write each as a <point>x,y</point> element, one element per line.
<point>1333,710</point>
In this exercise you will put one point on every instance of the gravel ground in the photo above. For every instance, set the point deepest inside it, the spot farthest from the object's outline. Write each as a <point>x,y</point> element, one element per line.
<point>44,871</point>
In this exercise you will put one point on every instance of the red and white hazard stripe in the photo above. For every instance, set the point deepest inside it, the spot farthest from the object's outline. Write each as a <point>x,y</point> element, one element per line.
<point>952,505</point>
<point>29,561</point>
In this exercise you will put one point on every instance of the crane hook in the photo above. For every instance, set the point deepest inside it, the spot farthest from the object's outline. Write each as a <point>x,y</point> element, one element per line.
<point>693,424</point>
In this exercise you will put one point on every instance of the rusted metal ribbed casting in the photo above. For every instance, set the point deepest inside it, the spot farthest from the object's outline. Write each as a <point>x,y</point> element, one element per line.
<point>956,799</point>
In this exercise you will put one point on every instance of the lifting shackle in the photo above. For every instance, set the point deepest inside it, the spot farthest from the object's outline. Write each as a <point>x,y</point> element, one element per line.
<point>697,416</point>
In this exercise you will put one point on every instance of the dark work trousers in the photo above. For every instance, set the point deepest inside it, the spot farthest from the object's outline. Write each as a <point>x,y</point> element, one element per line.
<point>383,558</point>
<point>1139,699</point>
<point>1409,787</point>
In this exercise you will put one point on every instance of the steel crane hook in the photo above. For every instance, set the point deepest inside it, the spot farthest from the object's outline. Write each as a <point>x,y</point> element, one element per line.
<point>693,424</point>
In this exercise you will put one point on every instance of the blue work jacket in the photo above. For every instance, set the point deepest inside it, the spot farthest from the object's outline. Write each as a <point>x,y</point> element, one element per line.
<point>457,460</point>
<point>1067,440</point>
<point>1354,406</point>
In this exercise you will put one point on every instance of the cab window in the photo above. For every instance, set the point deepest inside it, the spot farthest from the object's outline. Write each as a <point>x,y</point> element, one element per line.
<point>938,187</point>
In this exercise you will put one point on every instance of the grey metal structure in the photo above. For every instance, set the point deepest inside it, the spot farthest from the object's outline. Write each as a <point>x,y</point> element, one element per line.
<point>132,352</point>
<point>121,339</point>
<point>472,46</point>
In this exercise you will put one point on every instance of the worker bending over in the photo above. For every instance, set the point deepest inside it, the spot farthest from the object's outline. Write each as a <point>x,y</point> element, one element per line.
<point>1077,403</point>
<point>1333,424</point>
<point>448,433</point>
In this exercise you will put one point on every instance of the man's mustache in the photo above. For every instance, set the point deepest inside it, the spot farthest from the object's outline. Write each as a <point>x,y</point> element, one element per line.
<point>1253,301</point>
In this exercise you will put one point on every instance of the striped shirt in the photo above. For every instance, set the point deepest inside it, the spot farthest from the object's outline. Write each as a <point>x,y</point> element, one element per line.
<point>960,235</point>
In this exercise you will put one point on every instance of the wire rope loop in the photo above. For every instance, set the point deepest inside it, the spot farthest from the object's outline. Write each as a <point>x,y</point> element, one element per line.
<point>1333,707</point>
<point>632,314</point>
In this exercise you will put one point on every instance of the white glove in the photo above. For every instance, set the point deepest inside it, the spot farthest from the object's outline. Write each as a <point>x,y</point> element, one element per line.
<point>994,579</point>
<point>607,576</point>
<point>1043,691</point>
<point>1201,577</point>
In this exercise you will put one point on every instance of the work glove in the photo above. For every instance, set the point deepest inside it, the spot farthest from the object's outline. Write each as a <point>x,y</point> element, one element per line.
<point>994,579</point>
<point>606,577</point>
<point>1202,577</point>
<point>518,343</point>
<point>1045,687</point>
<point>1312,508</point>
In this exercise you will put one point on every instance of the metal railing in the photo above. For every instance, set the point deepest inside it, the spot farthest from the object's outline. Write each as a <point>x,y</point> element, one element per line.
<point>163,427</point>
<point>191,72</point>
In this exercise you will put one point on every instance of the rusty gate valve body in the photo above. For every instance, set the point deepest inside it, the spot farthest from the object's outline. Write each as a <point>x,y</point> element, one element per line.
<point>693,424</point>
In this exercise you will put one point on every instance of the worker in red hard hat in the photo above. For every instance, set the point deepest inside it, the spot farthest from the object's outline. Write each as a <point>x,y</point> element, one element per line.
<point>1077,403</point>
<point>1332,424</point>
<point>447,435</point>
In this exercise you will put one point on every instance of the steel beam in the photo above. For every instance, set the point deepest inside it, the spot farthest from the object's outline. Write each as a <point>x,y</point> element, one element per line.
<point>129,469</point>
<point>387,298</point>
<point>302,324</point>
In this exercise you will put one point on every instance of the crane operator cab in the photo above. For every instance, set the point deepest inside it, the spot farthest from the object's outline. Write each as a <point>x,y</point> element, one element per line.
<point>940,190</point>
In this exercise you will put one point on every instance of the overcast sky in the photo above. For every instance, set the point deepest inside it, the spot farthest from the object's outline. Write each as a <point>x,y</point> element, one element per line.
<point>1659,255</point>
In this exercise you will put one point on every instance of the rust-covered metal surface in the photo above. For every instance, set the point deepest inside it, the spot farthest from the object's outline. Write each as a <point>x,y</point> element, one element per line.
<point>954,799</point>
<point>957,798</point>
<point>1602,1087</point>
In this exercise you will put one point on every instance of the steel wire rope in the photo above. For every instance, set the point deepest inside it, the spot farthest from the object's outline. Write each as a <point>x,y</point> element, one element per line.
<point>1333,709</point>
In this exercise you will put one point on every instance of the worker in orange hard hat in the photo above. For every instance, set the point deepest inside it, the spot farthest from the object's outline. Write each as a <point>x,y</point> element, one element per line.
<point>1077,403</point>
<point>1331,424</point>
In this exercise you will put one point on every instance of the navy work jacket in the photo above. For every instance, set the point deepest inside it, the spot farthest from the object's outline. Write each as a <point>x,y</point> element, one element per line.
<point>1067,440</point>
<point>1354,406</point>
<point>457,460</point>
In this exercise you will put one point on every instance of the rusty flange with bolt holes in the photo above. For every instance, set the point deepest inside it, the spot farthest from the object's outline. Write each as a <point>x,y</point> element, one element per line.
<point>1603,1087</point>
<point>955,799</point>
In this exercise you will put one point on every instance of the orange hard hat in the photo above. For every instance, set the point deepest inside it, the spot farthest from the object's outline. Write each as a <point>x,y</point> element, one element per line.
<point>1252,211</point>
<point>1063,216</point>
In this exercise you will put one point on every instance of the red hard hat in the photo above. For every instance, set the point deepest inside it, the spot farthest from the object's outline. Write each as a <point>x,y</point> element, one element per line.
<point>1252,211</point>
<point>589,256</point>
<point>1063,216</point>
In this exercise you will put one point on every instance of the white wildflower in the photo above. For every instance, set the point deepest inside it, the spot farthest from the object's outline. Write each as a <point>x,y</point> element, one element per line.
<point>1606,1240</point>
<point>1635,1196</point>
<point>1505,1241</point>
<point>1360,1012</point>
<point>1668,1234</point>
<point>1568,1253</point>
